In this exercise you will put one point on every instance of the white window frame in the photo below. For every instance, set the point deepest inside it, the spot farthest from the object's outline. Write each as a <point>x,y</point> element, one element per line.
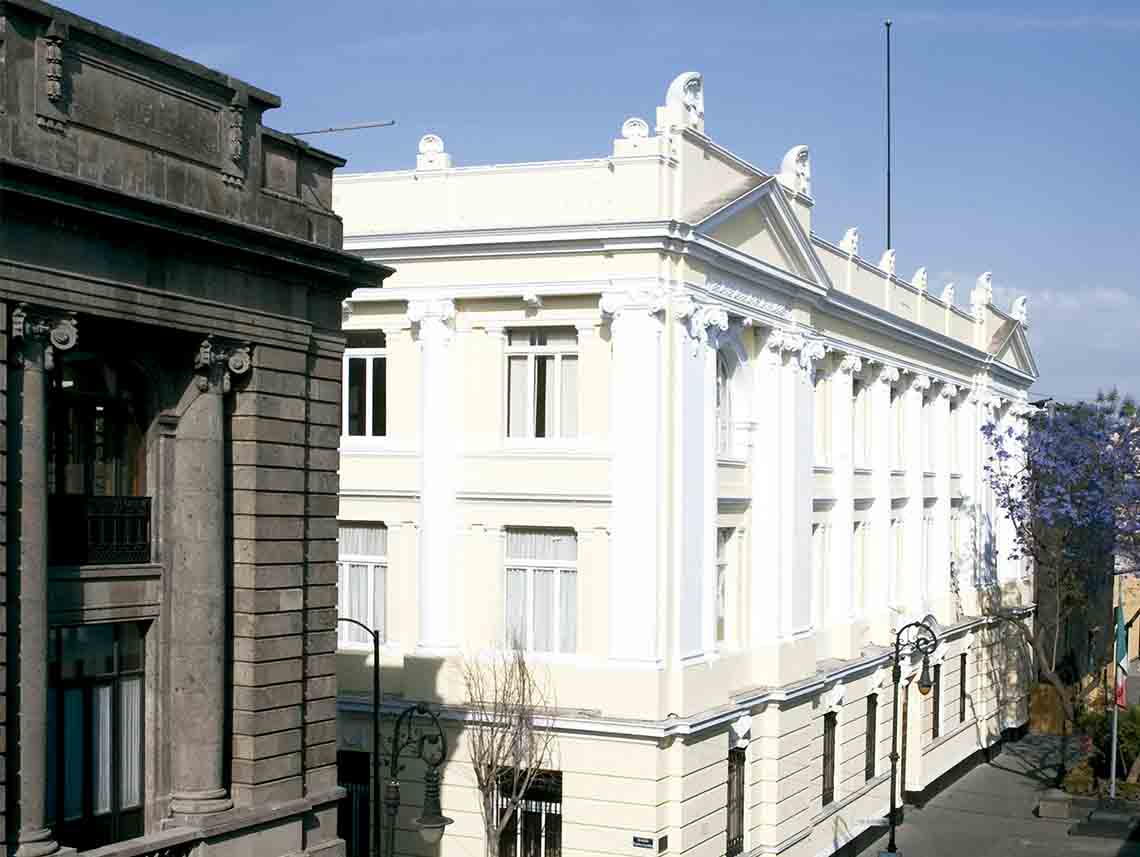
<point>898,428</point>
<point>374,563</point>
<point>367,354</point>
<point>724,537</point>
<point>861,423</point>
<point>821,429</point>
<point>859,565</point>
<point>820,559</point>
<point>531,352</point>
<point>530,566</point>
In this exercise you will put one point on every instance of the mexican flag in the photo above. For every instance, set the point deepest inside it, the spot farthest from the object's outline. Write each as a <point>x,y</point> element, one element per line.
<point>1121,658</point>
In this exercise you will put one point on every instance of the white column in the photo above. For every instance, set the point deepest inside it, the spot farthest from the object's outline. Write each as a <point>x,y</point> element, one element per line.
<point>840,642</point>
<point>880,548</point>
<point>943,601</point>
<point>636,421</point>
<point>912,580</point>
<point>767,506</point>
<point>970,486</point>
<point>433,324</point>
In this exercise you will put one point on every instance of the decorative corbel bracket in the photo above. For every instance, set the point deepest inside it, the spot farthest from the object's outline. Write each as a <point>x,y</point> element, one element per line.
<point>218,360</point>
<point>55,331</point>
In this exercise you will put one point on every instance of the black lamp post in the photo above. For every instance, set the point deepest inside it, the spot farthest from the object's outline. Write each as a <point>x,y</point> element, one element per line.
<point>429,743</point>
<point>374,792</point>
<point>922,640</point>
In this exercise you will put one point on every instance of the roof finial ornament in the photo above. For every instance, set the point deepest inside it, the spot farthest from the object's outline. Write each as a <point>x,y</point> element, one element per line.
<point>1019,311</point>
<point>887,262</point>
<point>795,170</point>
<point>919,279</point>
<point>850,242</point>
<point>982,295</point>
<point>684,103</point>
<point>634,128</point>
<point>948,294</point>
<point>431,154</point>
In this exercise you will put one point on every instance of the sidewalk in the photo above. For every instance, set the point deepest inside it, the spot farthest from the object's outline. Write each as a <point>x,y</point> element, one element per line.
<point>989,813</point>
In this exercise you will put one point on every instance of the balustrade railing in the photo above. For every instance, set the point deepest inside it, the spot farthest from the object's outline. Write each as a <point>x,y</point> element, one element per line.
<point>95,530</point>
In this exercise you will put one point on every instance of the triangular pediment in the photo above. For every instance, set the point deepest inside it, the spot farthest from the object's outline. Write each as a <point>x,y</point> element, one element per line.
<point>1010,346</point>
<point>760,224</point>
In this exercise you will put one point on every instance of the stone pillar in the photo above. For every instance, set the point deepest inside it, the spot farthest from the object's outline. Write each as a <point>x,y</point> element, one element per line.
<point>879,594</point>
<point>435,321</point>
<point>764,562</point>
<point>838,639</point>
<point>198,584</point>
<point>38,335</point>
<point>636,423</point>
<point>912,581</point>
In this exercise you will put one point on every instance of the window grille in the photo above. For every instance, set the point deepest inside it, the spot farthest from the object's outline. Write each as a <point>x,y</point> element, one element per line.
<point>735,805</point>
<point>353,774</point>
<point>535,827</point>
<point>829,722</point>
<point>871,751</point>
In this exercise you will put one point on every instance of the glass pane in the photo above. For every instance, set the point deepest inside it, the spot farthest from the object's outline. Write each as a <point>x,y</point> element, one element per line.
<point>130,742</point>
<point>355,396</point>
<point>515,613</point>
<point>101,748</point>
<point>543,398</point>
<point>73,743</point>
<point>87,650</point>
<point>516,397</point>
<point>569,396</point>
<point>568,608</point>
<point>557,336</point>
<point>379,397</point>
<point>549,545</point>
<point>544,611</point>
<point>363,539</point>
<point>130,647</point>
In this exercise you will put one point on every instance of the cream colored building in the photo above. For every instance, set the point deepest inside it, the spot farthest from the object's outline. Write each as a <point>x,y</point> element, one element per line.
<point>700,460</point>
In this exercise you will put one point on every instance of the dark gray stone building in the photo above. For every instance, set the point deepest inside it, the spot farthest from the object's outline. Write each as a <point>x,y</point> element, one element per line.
<point>170,301</point>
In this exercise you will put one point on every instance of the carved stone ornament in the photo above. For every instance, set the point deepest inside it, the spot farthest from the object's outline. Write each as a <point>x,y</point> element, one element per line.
<point>949,391</point>
<point>1019,310</point>
<point>345,310</point>
<point>652,300</point>
<point>795,170</point>
<point>834,698</point>
<point>634,128</point>
<point>433,317</point>
<point>56,331</point>
<point>850,242</point>
<point>236,131</point>
<point>920,383</point>
<point>948,294</point>
<point>737,291</point>
<point>887,262</point>
<point>685,100</point>
<point>53,65</point>
<point>706,323</point>
<point>813,351</point>
<point>431,154</point>
<point>851,364</point>
<point>919,279</point>
<point>431,144</point>
<point>783,341</point>
<point>218,360</point>
<point>532,299</point>
<point>740,730</point>
<point>889,375</point>
<point>982,295</point>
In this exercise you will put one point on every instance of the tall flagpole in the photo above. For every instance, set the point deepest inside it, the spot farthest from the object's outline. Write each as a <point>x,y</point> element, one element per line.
<point>887,25</point>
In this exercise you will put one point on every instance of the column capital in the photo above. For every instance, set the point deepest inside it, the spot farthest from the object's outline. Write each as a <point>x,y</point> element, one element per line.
<point>705,324</point>
<point>55,331</point>
<point>851,364</point>
<point>921,383</point>
<point>888,375</point>
<point>948,390</point>
<point>650,301</point>
<point>218,360</point>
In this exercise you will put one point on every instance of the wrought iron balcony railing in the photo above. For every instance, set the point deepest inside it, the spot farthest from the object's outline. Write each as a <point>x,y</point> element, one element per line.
<point>90,530</point>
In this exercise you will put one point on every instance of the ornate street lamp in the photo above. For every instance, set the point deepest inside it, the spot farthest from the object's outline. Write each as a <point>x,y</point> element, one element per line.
<point>374,792</point>
<point>918,638</point>
<point>427,741</point>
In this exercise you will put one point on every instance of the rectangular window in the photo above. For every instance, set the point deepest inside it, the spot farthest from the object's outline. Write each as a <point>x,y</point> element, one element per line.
<point>829,723</point>
<point>541,610</point>
<point>542,382</point>
<point>353,774</point>
<point>859,563</point>
<point>364,411</point>
<point>723,537</point>
<point>898,560</point>
<point>927,419</point>
<point>936,704</point>
<point>535,827</point>
<point>962,688</point>
<point>871,750</point>
<point>898,429</point>
<point>861,423</point>
<point>820,536</point>
<point>95,717</point>
<point>735,804</point>
<point>955,429</point>
<point>362,578</point>
<point>822,420</point>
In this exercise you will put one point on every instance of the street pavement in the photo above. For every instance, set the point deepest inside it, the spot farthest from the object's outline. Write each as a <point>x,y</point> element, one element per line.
<point>989,812</point>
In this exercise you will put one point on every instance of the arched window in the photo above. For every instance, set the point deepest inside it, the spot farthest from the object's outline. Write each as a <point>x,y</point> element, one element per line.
<point>723,406</point>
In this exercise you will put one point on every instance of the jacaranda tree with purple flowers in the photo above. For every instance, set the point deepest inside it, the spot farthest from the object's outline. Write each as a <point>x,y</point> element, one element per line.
<point>1067,481</point>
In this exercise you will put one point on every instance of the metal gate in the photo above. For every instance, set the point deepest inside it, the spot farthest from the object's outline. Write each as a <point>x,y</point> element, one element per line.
<point>353,772</point>
<point>735,827</point>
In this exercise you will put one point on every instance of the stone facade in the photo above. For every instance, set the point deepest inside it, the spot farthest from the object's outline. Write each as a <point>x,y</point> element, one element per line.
<point>171,282</point>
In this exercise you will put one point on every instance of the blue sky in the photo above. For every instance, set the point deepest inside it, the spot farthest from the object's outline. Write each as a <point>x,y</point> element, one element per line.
<point>1017,132</point>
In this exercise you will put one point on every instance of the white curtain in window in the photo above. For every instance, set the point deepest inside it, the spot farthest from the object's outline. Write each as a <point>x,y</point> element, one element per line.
<point>568,610</point>
<point>130,742</point>
<point>101,748</point>
<point>73,743</point>
<point>517,397</point>
<point>364,540</point>
<point>353,601</point>
<point>552,545</point>
<point>516,607</point>
<point>544,584</point>
<point>559,337</point>
<point>569,397</point>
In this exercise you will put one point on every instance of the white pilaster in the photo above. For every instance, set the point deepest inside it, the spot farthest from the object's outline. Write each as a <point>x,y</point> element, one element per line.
<point>880,558</point>
<point>767,506</point>
<point>433,326</point>
<point>636,421</point>
<point>943,602</point>
<point>912,581</point>
<point>839,641</point>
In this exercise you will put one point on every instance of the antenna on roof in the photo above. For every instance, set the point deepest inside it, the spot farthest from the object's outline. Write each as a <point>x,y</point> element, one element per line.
<point>356,127</point>
<point>887,25</point>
